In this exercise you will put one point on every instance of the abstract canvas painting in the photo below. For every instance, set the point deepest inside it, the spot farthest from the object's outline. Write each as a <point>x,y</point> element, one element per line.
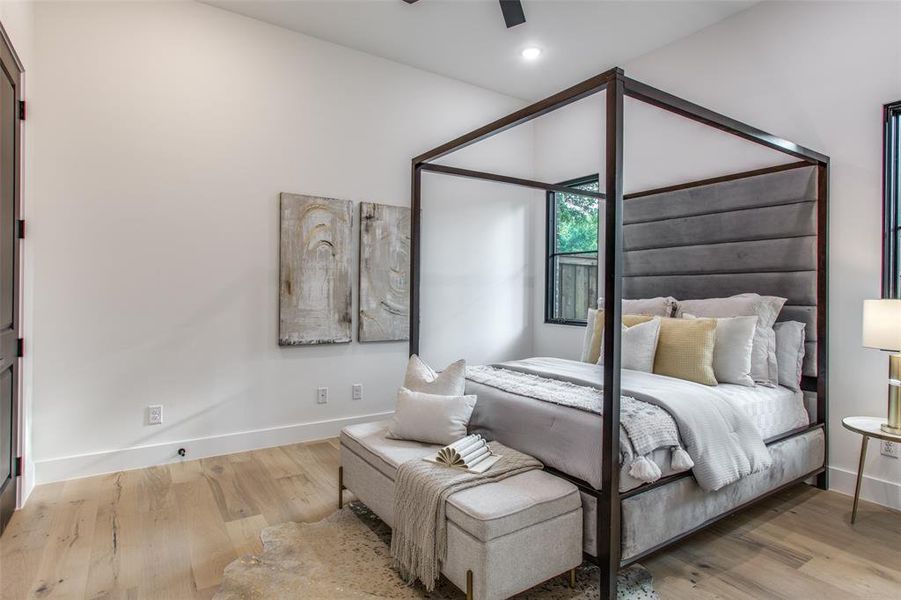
<point>384,273</point>
<point>315,276</point>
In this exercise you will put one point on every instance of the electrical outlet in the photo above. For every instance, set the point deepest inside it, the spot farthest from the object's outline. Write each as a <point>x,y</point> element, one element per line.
<point>155,414</point>
<point>322,395</point>
<point>358,391</point>
<point>888,448</point>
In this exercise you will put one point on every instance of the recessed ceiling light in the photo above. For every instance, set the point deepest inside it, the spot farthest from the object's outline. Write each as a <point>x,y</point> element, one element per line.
<point>531,53</point>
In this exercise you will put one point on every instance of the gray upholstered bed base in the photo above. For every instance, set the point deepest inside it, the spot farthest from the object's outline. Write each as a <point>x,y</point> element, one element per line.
<point>672,510</point>
<point>650,518</point>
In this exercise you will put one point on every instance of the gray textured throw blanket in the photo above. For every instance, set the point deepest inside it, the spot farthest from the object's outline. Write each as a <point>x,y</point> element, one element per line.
<point>421,490</point>
<point>723,443</point>
<point>644,427</point>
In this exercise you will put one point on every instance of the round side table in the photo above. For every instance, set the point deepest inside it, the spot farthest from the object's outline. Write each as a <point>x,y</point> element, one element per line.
<point>867,427</point>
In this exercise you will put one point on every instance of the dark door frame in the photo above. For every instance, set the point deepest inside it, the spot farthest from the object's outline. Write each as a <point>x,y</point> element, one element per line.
<point>14,71</point>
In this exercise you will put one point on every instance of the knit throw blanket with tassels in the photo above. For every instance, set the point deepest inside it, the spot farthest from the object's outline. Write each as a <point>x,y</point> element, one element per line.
<point>421,490</point>
<point>644,427</point>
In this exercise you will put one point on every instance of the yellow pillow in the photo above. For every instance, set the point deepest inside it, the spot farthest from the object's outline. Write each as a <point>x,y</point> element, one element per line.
<point>597,338</point>
<point>685,349</point>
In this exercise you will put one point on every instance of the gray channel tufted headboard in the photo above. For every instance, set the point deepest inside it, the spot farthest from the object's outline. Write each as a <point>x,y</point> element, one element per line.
<point>754,234</point>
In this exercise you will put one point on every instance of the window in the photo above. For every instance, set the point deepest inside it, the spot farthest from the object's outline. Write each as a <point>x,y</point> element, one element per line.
<point>891,233</point>
<point>571,273</point>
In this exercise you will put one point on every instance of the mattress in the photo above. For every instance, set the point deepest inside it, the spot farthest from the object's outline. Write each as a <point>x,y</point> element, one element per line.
<point>569,439</point>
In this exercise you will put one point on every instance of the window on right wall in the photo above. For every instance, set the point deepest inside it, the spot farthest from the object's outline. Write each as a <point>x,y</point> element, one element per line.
<point>891,211</point>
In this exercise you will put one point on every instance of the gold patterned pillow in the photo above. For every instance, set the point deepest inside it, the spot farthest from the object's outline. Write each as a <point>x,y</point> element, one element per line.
<point>597,335</point>
<point>685,349</point>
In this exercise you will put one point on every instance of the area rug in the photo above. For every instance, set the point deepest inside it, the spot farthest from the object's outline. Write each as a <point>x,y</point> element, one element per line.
<point>347,555</point>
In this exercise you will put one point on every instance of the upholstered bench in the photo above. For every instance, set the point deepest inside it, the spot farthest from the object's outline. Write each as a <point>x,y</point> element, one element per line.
<point>502,538</point>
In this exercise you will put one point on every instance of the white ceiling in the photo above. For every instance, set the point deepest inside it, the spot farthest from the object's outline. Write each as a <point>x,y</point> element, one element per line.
<point>467,39</point>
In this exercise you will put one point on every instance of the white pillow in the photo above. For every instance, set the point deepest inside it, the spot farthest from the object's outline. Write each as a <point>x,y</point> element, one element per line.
<point>766,308</point>
<point>652,307</point>
<point>421,377</point>
<point>790,353</point>
<point>589,334</point>
<point>430,418</point>
<point>733,349</point>
<point>639,346</point>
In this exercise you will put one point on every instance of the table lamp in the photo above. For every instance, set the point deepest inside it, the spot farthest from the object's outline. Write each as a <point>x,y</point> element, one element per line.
<point>882,330</point>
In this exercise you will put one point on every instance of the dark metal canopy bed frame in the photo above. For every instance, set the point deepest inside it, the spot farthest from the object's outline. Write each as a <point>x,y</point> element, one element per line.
<point>617,86</point>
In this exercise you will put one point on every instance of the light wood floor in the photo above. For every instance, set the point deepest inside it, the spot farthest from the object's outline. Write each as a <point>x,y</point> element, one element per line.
<point>168,532</point>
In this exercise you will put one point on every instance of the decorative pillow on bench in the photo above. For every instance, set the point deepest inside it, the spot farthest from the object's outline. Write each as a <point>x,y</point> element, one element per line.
<point>430,418</point>
<point>421,377</point>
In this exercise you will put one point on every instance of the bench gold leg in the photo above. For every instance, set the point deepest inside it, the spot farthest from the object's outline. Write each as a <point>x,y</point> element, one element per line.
<point>469,585</point>
<point>572,578</point>
<point>340,488</point>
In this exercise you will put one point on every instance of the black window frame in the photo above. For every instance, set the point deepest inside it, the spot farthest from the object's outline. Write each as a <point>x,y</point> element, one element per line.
<point>891,207</point>
<point>550,252</point>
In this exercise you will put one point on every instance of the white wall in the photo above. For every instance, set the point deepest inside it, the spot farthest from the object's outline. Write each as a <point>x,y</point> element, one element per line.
<point>164,134</point>
<point>477,270</point>
<point>817,74</point>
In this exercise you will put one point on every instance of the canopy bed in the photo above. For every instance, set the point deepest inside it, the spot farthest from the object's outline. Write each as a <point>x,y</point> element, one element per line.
<point>761,231</point>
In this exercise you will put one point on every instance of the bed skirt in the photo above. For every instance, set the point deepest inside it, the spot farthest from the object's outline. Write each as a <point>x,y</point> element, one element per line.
<point>684,506</point>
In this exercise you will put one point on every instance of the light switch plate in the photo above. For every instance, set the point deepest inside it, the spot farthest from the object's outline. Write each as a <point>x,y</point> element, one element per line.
<point>358,391</point>
<point>322,395</point>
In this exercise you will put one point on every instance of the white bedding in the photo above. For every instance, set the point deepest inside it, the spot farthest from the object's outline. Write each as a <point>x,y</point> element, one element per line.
<point>773,411</point>
<point>567,438</point>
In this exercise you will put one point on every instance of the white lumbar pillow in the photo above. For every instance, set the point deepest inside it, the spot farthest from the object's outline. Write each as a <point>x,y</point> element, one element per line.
<point>733,350</point>
<point>430,418</point>
<point>639,346</point>
<point>421,377</point>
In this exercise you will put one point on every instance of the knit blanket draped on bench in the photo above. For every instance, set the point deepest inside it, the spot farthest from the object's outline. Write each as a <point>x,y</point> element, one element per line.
<point>421,490</point>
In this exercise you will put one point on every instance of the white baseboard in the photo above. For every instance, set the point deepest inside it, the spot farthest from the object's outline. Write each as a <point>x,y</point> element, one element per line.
<point>880,491</point>
<point>26,484</point>
<point>138,457</point>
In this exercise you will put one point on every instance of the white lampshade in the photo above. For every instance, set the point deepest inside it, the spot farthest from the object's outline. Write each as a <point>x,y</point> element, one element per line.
<point>882,324</point>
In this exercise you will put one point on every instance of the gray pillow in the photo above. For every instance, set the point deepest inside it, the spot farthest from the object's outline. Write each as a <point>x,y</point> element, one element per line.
<point>661,306</point>
<point>430,418</point>
<point>790,353</point>
<point>421,377</point>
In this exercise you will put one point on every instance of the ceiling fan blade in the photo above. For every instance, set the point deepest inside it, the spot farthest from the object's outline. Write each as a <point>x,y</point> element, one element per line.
<point>410,1</point>
<point>513,13</point>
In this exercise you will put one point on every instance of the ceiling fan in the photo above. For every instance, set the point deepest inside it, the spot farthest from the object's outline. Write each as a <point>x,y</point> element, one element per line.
<point>512,9</point>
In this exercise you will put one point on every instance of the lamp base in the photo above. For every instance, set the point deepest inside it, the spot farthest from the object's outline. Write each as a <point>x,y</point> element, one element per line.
<point>893,422</point>
<point>889,429</point>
